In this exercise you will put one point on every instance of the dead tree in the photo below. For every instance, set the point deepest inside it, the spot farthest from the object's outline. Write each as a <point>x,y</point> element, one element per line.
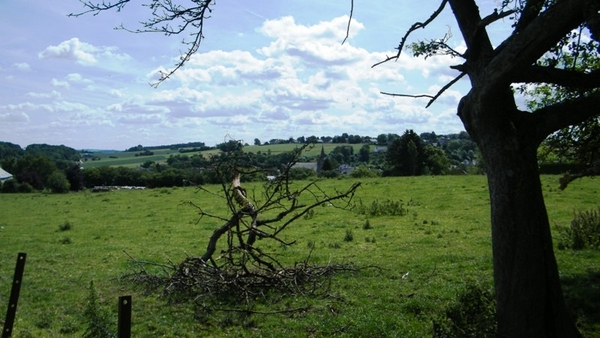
<point>233,262</point>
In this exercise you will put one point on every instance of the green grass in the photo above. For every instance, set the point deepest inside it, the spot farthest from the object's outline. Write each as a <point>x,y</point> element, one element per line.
<point>128,158</point>
<point>423,258</point>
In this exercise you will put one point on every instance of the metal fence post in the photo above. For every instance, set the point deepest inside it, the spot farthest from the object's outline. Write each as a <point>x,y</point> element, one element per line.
<point>14,295</point>
<point>124,327</point>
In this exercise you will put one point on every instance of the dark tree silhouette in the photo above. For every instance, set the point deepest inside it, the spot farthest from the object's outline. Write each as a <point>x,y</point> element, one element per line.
<point>529,297</point>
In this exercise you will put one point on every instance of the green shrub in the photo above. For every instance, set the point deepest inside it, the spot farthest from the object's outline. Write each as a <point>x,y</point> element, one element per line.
<point>10,186</point>
<point>367,225</point>
<point>26,188</point>
<point>58,183</point>
<point>583,233</point>
<point>472,315</point>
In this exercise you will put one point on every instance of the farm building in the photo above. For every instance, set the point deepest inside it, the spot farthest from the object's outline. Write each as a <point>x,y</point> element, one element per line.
<point>5,175</point>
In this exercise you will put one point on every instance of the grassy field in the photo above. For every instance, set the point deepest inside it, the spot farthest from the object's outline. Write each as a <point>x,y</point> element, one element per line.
<point>128,158</point>
<point>423,259</point>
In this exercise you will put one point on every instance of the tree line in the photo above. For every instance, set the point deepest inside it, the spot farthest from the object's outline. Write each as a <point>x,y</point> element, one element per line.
<point>58,168</point>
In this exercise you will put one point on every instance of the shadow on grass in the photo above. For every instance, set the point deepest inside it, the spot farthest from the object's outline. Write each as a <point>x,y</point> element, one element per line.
<point>582,294</point>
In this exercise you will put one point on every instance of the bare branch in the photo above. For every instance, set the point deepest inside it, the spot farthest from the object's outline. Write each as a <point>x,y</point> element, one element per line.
<point>408,95</point>
<point>349,21</point>
<point>413,28</point>
<point>97,8</point>
<point>432,97</point>
<point>168,18</point>
<point>494,17</point>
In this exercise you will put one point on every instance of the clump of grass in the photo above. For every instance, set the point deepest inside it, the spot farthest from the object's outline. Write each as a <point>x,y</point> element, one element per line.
<point>367,225</point>
<point>349,237</point>
<point>385,208</point>
<point>583,233</point>
<point>472,315</point>
<point>66,226</point>
<point>66,240</point>
<point>309,214</point>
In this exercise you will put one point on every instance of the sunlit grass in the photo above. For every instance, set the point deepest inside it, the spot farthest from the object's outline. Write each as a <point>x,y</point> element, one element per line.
<point>411,265</point>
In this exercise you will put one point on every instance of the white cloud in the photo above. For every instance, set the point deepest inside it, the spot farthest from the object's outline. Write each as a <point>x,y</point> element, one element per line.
<point>23,66</point>
<point>14,117</point>
<point>82,52</point>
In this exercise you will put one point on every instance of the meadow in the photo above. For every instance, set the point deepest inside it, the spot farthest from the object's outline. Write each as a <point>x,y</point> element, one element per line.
<point>128,158</point>
<point>409,268</point>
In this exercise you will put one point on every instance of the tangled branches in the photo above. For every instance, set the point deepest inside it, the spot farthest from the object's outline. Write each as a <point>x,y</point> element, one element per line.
<point>234,269</point>
<point>204,283</point>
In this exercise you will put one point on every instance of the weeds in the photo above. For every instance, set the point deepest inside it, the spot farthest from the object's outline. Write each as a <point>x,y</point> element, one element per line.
<point>583,233</point>
<point>473,315</point>
<point>97,318</point>
<point>385,208</point>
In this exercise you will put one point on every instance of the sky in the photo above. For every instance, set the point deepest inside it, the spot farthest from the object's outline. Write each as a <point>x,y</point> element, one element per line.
<point>267,69</point>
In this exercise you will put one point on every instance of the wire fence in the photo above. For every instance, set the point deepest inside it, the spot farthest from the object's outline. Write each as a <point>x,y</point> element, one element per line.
<point>124,308</point>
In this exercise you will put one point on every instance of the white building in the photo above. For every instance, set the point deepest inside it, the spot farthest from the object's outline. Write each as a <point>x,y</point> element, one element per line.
<point>5,175</point>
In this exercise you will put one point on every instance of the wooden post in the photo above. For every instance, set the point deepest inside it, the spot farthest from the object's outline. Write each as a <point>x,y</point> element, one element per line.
<point>124,327</point>
<point>14,295</point>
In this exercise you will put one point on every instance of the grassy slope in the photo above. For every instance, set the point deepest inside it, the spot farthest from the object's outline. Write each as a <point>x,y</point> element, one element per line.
<point>128,159</point>
<point>425,256</point>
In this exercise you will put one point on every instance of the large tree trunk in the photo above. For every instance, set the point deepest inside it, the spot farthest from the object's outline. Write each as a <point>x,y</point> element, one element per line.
<point>529,296</point>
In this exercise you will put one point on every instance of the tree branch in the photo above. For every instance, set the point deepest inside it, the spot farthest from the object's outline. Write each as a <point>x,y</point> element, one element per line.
<point>349,21</point>
<point>167,18</point>
<point>520,52</point>
<point>561,77</point>
<point>432,97</point>
<point>557,116</point>
<point>413,28</point>
<point>529,13</point>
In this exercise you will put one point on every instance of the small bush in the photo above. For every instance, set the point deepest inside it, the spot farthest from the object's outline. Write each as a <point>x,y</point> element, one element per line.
<point>472,315</point>
<point>367,225</point>
<point>583,233</point>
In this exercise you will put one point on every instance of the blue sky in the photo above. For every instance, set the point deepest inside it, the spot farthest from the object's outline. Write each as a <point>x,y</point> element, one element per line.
<point>272,69</point>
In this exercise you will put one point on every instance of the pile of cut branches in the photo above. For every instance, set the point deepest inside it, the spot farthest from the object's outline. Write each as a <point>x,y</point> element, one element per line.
<point>203,282</point>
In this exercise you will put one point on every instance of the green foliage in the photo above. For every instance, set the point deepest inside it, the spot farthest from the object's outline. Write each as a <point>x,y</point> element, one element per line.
<point>385,208</point>
<point>471,315</point>
<point>405,156</point>
<point>10,186</point>
<point>8,150</point>
<point>583,233</point>
<point>363,172</point>
<point>57,182</point>
<point>367,225</point>
<point>98,321</point>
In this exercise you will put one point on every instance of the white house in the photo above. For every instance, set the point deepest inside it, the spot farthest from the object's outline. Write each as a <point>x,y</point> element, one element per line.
<point>5,175</point>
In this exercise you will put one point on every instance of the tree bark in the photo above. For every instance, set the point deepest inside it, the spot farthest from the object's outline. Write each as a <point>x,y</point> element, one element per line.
<point>529,296</point>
